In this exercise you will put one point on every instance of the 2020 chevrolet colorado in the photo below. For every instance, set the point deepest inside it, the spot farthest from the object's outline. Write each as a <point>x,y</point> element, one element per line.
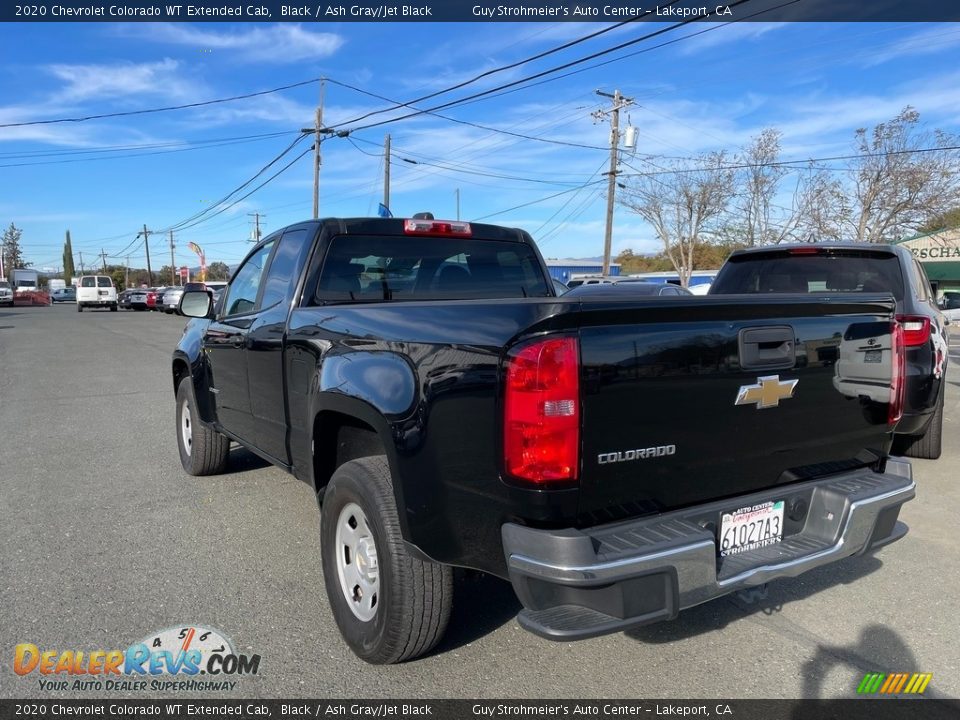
<point>450,411</point>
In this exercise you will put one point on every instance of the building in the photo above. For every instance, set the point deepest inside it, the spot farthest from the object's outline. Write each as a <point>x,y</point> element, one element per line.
<point>939,253</point>
<point>566,269</point>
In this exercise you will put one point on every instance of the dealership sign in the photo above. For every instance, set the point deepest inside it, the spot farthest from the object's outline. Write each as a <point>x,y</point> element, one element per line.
<point>939,247</point>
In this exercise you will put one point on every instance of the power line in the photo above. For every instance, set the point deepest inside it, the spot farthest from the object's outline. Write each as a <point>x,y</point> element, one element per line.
<point>543,73</point>
<point>534,202</point>
<point>258,187</point>
<point>499,69</point>
<point>168,108</point>
<point>712,28</point>
<point>458,121</point>
<point>780,163</point>
<point>197,216</point>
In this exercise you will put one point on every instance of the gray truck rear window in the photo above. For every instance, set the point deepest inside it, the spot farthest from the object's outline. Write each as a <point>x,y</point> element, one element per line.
<point>385,269</point>
<point>872,272</point>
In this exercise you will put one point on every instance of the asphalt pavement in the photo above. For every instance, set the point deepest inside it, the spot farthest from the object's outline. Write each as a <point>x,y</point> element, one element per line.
<point>106,541</point>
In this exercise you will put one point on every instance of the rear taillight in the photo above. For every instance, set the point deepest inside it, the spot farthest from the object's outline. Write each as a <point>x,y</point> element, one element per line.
<point>916,329</point>
<point>541,427</point>
<point>897,374</point>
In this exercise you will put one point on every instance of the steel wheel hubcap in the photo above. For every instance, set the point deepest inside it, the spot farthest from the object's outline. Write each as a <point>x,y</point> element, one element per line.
<point>357,567</point>
<point>186,430</point>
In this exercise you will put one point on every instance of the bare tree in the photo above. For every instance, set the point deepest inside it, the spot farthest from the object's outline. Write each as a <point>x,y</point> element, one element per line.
<point>683,202</point>
<point>903,175</point>
<point>759,183</point>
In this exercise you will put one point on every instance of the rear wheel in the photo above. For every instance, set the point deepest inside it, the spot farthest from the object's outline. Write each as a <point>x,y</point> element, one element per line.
<point>113,308</point>
<point>927,446</point>
<point>79,307</point>
<point>389,605</point>
<point>203,451</point>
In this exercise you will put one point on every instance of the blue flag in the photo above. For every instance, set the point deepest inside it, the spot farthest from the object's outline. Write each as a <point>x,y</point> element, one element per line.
<point>384,211</point>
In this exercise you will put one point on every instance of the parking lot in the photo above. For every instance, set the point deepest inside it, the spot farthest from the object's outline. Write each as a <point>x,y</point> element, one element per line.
<point>107,541</point>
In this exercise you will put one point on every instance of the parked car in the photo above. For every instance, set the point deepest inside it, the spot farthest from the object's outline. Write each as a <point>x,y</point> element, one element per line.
<point>950,306</point>
<point>6,293</point>
<point>629,289</point>
<point>64,294</point>
<point>155,297</point>
<point>616,458</point>
<point>171,298</point>
<point>96,291</point>
<point>825,268</point>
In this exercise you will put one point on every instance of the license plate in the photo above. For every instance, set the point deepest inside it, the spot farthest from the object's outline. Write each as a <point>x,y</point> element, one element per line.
<point>750,528</point>
<point>873,356</point>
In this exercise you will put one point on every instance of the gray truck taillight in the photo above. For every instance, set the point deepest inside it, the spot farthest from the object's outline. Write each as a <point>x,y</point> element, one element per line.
<point>541,427</point>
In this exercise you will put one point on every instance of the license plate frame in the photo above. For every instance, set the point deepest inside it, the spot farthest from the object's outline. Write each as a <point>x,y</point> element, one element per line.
<point>750,528</point>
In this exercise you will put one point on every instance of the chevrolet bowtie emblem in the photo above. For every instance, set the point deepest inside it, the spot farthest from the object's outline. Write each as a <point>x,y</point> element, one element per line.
<point>767,393</point>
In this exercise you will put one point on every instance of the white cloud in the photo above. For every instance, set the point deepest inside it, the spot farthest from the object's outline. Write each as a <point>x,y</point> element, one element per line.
<point>85,82</point>
<point>262,44</point>
<point>925,42</point>
<point>725,35</point>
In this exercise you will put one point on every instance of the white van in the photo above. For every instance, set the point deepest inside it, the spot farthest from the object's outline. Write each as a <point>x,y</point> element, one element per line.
<point>96,291</point>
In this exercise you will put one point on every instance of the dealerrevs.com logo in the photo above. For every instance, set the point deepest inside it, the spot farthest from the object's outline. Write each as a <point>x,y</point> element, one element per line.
<point>191,657</point>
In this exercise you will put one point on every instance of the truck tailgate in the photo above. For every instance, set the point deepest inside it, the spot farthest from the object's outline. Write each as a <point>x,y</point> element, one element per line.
<point>688,401</point>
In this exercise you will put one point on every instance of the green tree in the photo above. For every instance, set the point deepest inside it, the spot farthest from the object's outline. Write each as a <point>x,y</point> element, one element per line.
<point>12,253</point>
<point>218,271</point>
<point>942,221</point>
<point>69,271</point>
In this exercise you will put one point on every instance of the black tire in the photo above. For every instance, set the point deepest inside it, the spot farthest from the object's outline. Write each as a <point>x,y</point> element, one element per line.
<point>928,446</point>
<point>113,308</point>
<point>414,596</point>
<point>206,451</point>
<point>79,307</point>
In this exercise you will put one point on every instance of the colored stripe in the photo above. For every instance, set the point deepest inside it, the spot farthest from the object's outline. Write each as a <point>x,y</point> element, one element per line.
<point>903,679</point>
<point>914,682</point>
<point>876,683</point>
<point>927,677</point>
<point>890,680</point>
<point>865,683</point>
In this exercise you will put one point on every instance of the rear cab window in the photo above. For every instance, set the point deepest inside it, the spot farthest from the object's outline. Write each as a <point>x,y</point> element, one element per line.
<point>844,271</point>
<point>391,269</point>
<point>104,282</point>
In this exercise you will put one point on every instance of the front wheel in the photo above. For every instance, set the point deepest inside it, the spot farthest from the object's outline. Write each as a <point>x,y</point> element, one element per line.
<point>203,451</point>
<point>388,605</point>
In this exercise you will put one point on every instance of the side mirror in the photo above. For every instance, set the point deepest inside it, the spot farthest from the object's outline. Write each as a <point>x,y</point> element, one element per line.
<point>196,303</point>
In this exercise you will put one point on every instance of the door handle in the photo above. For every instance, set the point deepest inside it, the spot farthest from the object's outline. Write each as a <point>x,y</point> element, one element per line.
<point>767,348</point>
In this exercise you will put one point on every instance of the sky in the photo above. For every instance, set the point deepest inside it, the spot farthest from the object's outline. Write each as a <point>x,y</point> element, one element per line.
<point>104,179</point>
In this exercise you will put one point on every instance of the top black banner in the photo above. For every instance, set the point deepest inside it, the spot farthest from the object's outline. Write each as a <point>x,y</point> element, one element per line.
<point>604,11</point>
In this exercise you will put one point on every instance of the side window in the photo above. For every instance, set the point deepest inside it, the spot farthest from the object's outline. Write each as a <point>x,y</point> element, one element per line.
<point>242,295</point>
<point>282,273</point>
<point>923,284</point>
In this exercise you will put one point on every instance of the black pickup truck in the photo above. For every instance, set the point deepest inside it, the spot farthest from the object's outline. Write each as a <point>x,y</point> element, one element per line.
<point>616,458</point>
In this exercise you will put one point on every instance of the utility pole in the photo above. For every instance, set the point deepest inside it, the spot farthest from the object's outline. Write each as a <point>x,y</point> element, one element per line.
<point>173,269</point>
<point>146,245</point>
<point>256,226</point>
<point>126,280</point>
<point>619,102</point>
<point>316,130</point>
<point>82,270</point>
<point>458,203</point>
<point>103,259</point>
<point>386,172</point>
